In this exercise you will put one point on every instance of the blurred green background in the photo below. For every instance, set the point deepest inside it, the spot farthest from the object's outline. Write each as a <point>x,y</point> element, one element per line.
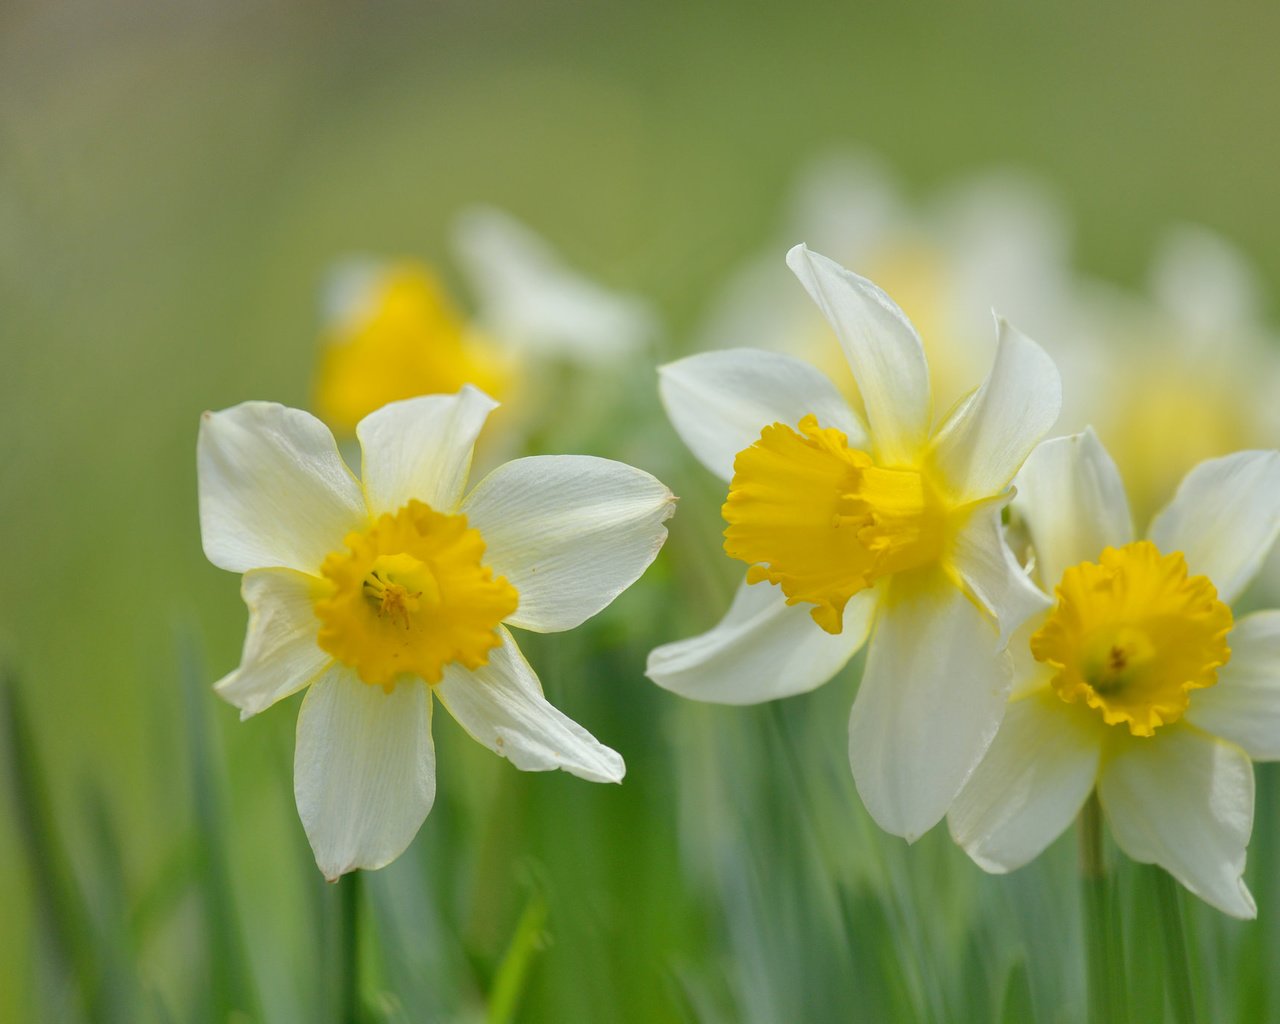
<point>175,179</point>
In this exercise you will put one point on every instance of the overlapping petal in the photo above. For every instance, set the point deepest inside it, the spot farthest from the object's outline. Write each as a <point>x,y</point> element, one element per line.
<point>1244,707</point>
<point>363,770</point>
<point>421,448</point>
<point>1224,518</point>
<point>719,402</point>
<point>569,532</point>
<point>884,352</point>
<point>280,651</point>
<point>1184,800</point>
<point>763,649</point>
<point>988,569</point>
<point>1073,502</point>
<point>1033,781</point>
<point>985,442</point>
<point>932,696</point>
<point>501,705</point>
<point>273,490</point>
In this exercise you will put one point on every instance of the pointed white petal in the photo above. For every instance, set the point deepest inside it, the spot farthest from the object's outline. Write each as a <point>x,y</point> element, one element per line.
<point>719,402</point>
<point>1035,778</point>
<point>883,350</point>
<point>530,299</point>
<point>280,651</point>
<point>501,705</point>
<point>1073,502</point>
<point>761,650</point>
<point>991,573</point>
<point>421,448</point>
<point>364,772</point>
<point>932,696</point>
<point>1224,518</point>
<point>1244,707</point>
<point>984,444</point>
<point>569,532</point>
<point>1184,800</point>
<point>273,490</point>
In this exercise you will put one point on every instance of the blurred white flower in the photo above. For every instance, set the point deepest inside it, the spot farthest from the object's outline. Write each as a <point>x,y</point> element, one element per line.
<point>385,593</point>
<point>894,524</point>
<point>392,332</point>
<point>1138,681</point>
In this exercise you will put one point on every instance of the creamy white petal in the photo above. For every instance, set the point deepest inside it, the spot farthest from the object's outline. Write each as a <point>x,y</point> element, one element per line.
<point>1184,800</point>
<point>280,652</point>
<point>991,573</point>
<point>530,299</point>
<point>931,699</point>
<point>421,448</point>
<point>1035,778</point>
<point>984,444</point>
<point>501,705</point>
<point>761,650</point>
<point>273,490</point>
<point>1072,499</point>
<point>1244,707</point>
<point>883,349</point>
<point>1224,518</point>
<point>719,402</point>
<point>569,532</point>
<point>364,771</point>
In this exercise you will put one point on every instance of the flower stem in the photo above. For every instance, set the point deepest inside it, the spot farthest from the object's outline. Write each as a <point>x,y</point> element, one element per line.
<point>1172,929</point>
<point>349,925</point>
<point>1104,950</point>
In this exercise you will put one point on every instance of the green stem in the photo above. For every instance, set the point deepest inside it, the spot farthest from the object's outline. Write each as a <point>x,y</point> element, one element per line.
<point>349,925</point>
<point>1178,963</point>
<point>1104,951</point>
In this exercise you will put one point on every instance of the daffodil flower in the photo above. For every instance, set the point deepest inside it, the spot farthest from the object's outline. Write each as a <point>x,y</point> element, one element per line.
<point>393,332</point>
<point>1138,681</point>
<point>384,594</point>
<point>889,529</point>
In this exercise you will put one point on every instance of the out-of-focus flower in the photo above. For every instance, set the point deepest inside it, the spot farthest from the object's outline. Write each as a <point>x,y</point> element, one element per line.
<point>894,523</point>
<point>1138,681</point>
<point>385,593</point>
<point>392,332</point>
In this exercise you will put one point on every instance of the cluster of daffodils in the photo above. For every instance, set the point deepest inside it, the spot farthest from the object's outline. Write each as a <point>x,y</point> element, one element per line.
<point>1001,688</point>
<point>383,594</point>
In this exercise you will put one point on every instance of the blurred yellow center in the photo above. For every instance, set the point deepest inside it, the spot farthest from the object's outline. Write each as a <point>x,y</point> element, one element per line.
<point>823,521</point>
<point>409,596</point>
<point>401,339</point>
<point>1133,634</point>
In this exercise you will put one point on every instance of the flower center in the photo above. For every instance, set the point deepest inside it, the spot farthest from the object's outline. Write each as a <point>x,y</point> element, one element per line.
<point>1133,634</point>
<point>410,595</point>
<point>823,521</point>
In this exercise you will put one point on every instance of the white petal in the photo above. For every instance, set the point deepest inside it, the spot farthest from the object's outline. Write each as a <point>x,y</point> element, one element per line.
<point>1073,502</point>
<point>530,299</point>
<point>761,650</point>
<point>273,490</point>
<point>364,770</point>
<point>1244,707</point>
<point>501,706</point>
<point>932,696</point>
<point>1224,518</point>
<point>421,448</point>
<point>984,444</point>
<point>883,350</point>
<point>1184,800</point>
<point>280,651</point>
<point>992,574</point>
<point>719,402</point>
<point>1035,778</point>
<point>569,532</point>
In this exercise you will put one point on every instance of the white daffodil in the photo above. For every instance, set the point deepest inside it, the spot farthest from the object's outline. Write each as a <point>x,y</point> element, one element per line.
<point>385,593</point>
<point>1138,681</point>
<point>392,332</point>
<point>890,528</point>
